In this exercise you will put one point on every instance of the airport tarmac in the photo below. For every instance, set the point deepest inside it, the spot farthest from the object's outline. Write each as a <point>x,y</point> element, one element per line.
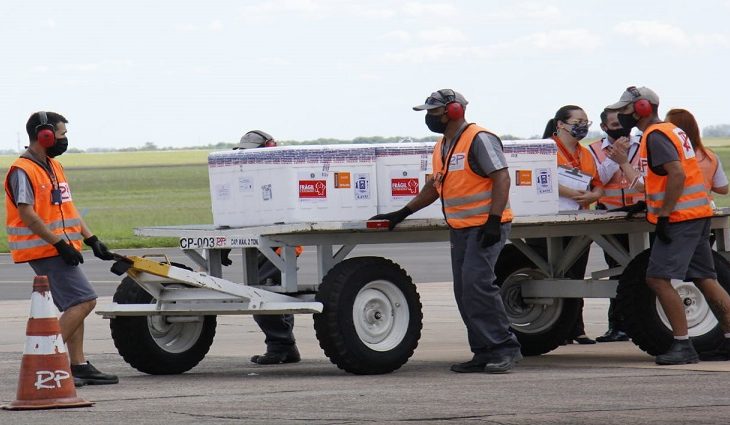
<point>609,383</point>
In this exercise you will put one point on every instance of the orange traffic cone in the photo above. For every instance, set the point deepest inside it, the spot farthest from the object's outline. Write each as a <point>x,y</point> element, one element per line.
<point>45,373</point>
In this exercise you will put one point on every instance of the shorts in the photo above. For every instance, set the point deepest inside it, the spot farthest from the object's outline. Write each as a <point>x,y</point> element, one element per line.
<point>688,256</point>
<point>69,285</point>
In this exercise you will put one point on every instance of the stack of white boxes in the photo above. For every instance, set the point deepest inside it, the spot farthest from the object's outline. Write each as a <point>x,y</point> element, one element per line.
<point>291,184</point>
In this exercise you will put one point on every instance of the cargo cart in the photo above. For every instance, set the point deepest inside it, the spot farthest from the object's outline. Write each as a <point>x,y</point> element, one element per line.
<point>367,312</point>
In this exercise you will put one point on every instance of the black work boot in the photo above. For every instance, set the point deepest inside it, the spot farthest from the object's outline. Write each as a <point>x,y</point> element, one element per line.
<point>472,366</point>
<point>613,335</point>
<point>503,363</point>
<point>290,355</point>
<point>721,353</point>
<point>681,352</point>
<point>91,375</point>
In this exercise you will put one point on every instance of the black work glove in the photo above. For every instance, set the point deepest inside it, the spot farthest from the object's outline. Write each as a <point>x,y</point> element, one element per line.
<point>491,232</point>
<point>630,210</point>
<point>661,229</point>
<point>224,257</point>
<point>394,217</point>
<point>100,250</point>
<point>68,253</point>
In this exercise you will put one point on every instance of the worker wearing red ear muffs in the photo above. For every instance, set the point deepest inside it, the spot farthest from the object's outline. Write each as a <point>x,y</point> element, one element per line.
<point>470,176</point>
<point>46,230</point>
<point>678,205</point>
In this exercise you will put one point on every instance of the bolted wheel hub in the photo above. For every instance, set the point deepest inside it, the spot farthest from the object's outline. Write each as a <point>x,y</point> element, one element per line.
<point>700,319</point>
<point>380,315</point>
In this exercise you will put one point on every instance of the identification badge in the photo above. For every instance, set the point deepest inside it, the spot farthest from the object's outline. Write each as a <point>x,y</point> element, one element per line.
<point>56,196</point>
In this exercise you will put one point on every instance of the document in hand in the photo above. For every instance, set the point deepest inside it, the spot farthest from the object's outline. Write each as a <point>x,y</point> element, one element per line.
<point>572,178</point>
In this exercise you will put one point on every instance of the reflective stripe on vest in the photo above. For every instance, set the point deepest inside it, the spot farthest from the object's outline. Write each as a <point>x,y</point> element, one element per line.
<point>616,192</point>
<point>25,231</point>
<point>33,243</point>
<point>465,195</point>
<point>693,202</point>
<point>61,219</point>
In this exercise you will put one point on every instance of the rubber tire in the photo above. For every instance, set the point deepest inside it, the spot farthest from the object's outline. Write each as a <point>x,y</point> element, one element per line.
<point>512,260</point>
<point>131,335</point>
<point>636,306</point>
<point>335,329</point>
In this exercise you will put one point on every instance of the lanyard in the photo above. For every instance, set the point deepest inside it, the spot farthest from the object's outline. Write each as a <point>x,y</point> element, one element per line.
<point>575,162</point>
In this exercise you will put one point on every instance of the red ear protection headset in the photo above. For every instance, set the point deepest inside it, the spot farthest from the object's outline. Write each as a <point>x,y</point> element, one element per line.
<point>454,109</point>
<point>45,132</point>
<point>642,107</point>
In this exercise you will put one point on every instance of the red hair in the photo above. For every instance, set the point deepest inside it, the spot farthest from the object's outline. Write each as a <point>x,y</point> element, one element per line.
<point>684,119</point>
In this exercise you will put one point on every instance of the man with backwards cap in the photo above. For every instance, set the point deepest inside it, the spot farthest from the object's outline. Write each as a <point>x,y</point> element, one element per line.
<point>678,205</point>
<point>279,328</point>
<point>470,176</point>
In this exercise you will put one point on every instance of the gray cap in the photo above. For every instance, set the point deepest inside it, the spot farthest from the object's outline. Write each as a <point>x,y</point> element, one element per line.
<point>440,98</point>
<point>254,139</point>
<point>632,94</point>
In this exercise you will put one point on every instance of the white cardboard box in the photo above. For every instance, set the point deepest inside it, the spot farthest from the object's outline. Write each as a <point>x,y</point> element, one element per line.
<point>292,184</point>
<point>402,169</point>
<point>534,172</point>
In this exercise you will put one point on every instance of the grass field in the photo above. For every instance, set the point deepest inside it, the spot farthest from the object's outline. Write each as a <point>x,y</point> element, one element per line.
<point>117,192</point>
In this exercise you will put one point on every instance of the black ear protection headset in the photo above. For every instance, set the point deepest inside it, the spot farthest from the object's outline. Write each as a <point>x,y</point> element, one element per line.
<point>454,109</point>
<point>269,141</point>
<point>45,132</point>
<point>642,107</point>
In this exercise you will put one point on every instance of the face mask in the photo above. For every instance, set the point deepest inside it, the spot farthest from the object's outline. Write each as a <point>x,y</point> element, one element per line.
<point>618,133</point>
<point>58,148</point>
<point>627,121</point>
<point>579,131</point>
<point>433,122</point>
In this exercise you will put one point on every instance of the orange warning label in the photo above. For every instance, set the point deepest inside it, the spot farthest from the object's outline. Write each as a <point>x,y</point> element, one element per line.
<point>523,177</point>
<point>342,181</point>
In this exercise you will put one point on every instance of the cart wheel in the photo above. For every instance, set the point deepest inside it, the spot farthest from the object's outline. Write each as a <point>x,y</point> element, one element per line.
<point>644,320</point>
<point>540,328</point>
<point>153,345</point>
<point>372,318</point>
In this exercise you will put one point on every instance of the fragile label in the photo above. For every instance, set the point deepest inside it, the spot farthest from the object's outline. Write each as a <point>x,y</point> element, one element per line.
<point>404,186</point>
<point>312,189</point>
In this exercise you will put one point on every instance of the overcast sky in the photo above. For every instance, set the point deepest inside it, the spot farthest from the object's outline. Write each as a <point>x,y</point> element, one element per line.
<point>182,73</point>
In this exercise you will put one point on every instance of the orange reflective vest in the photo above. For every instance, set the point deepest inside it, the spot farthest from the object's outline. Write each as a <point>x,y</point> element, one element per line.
<point>582,160</point>
<point>693,203</point>
<point>708,165</point>
<point>466,196</point>
<point>617,192</point>
<point>61,219</point>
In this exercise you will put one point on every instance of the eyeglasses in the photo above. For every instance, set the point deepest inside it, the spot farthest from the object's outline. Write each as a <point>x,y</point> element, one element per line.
<point>586,123</point>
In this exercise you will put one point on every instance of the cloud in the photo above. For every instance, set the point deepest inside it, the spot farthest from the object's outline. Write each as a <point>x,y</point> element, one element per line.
<point>536,44</point>
<point>654,33</point>
<point>424,10</point>
<point>314,9</point>
<point>397,35</point>
<point>216,25</point>
<point>443,34</point>
<point>650,33</point>
<point>525,10</point>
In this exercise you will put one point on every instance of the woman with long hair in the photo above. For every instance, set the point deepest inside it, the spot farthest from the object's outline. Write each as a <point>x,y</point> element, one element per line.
<point>567,128</point>
<point>709,162</point>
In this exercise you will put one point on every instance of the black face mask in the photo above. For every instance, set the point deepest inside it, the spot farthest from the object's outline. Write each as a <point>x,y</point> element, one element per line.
<point>618,133</point>
<point>58,148</point>
<point>627,121</point>
<point>433,122</point>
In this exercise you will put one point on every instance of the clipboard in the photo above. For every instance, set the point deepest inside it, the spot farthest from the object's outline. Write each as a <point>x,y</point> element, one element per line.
<point>572,178</point>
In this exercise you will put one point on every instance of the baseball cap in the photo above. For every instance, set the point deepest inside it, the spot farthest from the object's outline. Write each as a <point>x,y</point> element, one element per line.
<point>632,94</point>
<point>440,98</point>
<point>254,139</point>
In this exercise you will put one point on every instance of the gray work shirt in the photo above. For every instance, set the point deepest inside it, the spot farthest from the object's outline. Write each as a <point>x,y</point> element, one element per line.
<point>485,154</point>
<point>660,150</point>
<point>20,187</point>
